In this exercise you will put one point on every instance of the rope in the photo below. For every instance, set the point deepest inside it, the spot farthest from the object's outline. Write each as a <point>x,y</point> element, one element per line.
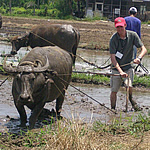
<point>4,81</point>
<point>59,89</point>
<point>93,63</point>
<point>42,38</point>
<point>106,74</point>
<point>88,96</point>
<point>143,67</point>
<point>124,65</point>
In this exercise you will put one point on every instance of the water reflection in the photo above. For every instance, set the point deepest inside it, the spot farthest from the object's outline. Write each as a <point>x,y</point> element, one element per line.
<point>100,58</point>
<point>5,48</point>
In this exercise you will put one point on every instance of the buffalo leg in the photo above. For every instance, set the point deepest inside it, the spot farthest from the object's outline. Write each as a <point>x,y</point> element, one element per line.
<point>23,116</point>
<point>35,113</point>
<point>74,50</point>
<point>59,102</point>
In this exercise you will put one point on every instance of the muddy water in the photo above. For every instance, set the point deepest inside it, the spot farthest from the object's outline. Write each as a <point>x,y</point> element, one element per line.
<point>76,105</point>
<point>101,58</point>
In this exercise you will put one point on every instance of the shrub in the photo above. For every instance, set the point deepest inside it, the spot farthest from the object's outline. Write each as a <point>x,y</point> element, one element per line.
<point>17,10</point>
<point>2,10</point>
<point>53,13</point>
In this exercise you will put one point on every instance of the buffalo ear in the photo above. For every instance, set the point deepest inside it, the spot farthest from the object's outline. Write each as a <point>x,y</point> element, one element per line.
<point>38,63</point>
<point>27,33</point>
<point>25,36</point>
<point>9,39</point>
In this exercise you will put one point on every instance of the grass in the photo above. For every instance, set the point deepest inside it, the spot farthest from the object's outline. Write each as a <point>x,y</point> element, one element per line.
<point>87,78</point>
<point>141,81</point>
<point>76,135</point>
<point>101,79</point>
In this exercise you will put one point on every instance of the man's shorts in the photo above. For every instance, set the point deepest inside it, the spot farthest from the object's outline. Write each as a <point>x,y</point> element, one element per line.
<point>116,81</point>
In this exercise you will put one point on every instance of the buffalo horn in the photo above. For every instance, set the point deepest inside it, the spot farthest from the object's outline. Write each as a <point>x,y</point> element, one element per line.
<point>9,68</point>
<point>29,69</point>
<point>25,68</point>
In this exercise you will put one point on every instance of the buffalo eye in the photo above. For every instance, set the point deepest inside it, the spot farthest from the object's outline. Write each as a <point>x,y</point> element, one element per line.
<point>32,77</point>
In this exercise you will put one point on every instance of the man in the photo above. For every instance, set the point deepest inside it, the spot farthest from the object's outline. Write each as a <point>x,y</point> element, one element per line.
<point>133,24</point>
<point>121,53</point>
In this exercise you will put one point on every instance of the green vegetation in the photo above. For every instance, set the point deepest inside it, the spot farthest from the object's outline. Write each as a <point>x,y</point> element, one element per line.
<point>141,81</point>
<point>51,8</point>
<point>148,51</point>
<point>87,78</point>
<point>1,69</point>
<point>76,135</point>
<point>101,79</point>
<point>133,125</point>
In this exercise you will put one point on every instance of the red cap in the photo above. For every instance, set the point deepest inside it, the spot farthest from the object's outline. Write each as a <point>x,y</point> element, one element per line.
<point>120,22</point>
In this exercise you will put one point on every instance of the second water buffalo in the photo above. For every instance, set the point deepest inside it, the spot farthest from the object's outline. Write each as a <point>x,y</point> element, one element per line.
<point>64,36</point>
<point>42,76</point>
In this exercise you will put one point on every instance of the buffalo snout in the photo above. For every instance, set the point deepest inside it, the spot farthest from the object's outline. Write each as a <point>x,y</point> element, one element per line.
<point>25,97</point>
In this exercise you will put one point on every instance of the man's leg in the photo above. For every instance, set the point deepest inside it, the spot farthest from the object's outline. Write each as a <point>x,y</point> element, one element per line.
<point>115,84</point>
<point>113,98</point>
<point>133,103</point>
<point>130,97</point>
<point>131,75</point>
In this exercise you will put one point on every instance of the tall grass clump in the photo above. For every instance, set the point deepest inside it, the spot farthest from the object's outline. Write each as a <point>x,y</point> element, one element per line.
<point>74,134</point>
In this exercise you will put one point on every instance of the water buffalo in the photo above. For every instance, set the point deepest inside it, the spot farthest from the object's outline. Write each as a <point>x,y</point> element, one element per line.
<point>41,76</point>
<point>0,21</point>
<point>64,36</point>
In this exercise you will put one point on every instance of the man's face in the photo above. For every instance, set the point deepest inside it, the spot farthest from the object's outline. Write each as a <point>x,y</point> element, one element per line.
<point>121,29</point>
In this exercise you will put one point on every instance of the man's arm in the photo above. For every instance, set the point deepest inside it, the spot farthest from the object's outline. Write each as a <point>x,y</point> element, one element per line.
<point>143,52</point>
<point>115,63</point>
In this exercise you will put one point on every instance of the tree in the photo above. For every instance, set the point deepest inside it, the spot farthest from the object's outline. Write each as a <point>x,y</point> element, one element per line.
<point>32,4</point>
<point>10,6</point>
<point>66,7</point>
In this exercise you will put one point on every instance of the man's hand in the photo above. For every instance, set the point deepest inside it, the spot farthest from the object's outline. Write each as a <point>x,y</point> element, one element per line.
<point>123,74</point>
<point>137,61</point>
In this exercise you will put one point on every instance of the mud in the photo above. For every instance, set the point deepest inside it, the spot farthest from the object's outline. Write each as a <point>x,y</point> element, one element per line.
<point>76,105</point>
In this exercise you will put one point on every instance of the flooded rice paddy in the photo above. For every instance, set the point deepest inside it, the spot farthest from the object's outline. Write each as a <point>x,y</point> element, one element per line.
<point>76,104</point>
